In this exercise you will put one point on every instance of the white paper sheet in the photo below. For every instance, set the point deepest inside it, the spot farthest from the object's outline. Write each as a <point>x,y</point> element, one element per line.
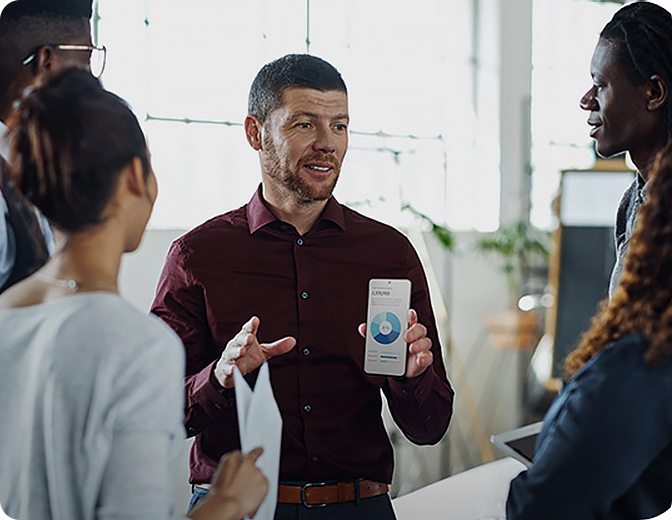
<point>260,424</point>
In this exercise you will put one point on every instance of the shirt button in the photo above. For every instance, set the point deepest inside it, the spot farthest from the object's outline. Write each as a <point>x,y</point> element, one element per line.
<point>218,406</point>
<point>300,241</point>
<point>314,458</point>
<point>304,295</point>
<point>191,429</point>
<point>307,408</point>
<point>306,351</point>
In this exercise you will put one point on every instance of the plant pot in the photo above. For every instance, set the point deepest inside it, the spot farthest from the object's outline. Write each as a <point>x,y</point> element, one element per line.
<point>513,329</point>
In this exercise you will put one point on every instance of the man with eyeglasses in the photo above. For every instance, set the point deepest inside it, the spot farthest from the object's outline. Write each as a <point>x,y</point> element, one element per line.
<point>36,36</point>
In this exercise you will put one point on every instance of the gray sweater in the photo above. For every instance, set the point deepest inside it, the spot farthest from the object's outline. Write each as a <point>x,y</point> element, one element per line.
<point>90,411</point>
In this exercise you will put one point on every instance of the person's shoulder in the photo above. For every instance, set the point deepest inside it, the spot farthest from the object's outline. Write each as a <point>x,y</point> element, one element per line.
<point>629,197</point>
<point>111,316</point>
<point>196,244</point>
<point>623,354</point>
<point>127,333</point>
<point>357,221</point>
<point>622,367</point>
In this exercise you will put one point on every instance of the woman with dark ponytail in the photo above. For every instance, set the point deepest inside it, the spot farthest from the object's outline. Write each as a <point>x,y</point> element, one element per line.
<point>90,388</point>
<point>629,103</point>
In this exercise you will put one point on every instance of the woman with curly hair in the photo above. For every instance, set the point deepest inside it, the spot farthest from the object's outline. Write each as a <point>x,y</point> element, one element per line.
<point>605,449</point>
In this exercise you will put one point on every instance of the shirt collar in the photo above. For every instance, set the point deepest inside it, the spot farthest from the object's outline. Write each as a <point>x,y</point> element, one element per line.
<point>641,188</point>
<point>259,214</point>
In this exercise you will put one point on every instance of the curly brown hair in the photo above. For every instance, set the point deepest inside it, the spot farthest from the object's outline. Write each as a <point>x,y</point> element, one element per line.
<point>643,299</point>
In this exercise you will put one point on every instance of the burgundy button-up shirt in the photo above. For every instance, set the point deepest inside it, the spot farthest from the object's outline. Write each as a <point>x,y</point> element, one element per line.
<point>313,287</point>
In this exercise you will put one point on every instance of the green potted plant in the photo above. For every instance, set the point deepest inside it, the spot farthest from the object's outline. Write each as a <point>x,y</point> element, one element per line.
<point>523,253</point>
<point>442,233</point>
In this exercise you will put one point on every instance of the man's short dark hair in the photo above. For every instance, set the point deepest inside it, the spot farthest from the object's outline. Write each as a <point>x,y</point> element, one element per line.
<point>26,25</point>
<point>292,70</point>
<point>57,8</point>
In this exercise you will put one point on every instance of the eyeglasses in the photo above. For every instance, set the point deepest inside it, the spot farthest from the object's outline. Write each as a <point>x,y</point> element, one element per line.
<point>97,55</point>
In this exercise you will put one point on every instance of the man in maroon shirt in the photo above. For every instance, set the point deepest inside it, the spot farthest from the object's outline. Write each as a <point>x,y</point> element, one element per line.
<point>299,263</point>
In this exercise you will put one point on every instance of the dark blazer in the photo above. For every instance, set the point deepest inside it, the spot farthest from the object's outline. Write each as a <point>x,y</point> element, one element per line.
<point>31,248</point>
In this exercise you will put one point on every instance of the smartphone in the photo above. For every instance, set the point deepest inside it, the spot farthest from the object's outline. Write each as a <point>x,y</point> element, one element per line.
<point>385,350</point>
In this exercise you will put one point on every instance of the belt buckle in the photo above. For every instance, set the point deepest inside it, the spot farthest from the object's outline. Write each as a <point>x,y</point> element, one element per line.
<point>303,494</point>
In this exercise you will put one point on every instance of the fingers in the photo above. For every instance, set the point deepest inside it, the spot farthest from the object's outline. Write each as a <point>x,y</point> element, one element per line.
<point>262,486</point>
<point>281,346</point>
<point>424,359</point>
<point>362,330</point>
<point>246,337</point>
<point>412,317</point>
<point>255,454</point>
<point>415,332</point>
<point>418,363</point>
<point>420,345</point>
<point>235,350</point>
<point>238,485</point>
<point>237,347</point>
<point>251,326</point>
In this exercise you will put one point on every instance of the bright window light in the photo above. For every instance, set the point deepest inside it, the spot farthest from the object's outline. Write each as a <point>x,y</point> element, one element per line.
<point>186,69</point>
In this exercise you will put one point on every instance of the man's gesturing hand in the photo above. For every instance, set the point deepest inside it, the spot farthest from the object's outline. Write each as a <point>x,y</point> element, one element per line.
<point>245,352</point>
<point>419,354</point>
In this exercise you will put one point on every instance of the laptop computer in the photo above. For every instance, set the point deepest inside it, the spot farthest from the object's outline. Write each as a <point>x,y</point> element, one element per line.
<point>519,443</point>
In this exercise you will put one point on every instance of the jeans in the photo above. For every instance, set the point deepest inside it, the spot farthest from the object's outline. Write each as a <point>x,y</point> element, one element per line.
<point>374,508</point>
<point>197,496</point>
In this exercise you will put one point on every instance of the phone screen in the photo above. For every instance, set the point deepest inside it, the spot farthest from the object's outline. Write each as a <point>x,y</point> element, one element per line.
<point>387,321</point>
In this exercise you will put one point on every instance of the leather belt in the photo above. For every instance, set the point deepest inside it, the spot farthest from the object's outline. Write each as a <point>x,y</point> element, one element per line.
<point>322,493</point>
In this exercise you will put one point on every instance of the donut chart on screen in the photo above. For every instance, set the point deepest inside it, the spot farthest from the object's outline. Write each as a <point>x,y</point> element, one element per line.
<point>385,327</point>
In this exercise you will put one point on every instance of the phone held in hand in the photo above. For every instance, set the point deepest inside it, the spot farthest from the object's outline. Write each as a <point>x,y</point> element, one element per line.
<point>387,320</point>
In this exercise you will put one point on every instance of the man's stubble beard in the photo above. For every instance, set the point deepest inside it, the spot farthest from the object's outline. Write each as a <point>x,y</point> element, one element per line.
<point>291,179</point>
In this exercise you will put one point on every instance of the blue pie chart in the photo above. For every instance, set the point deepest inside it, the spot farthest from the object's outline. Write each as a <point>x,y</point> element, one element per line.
<point>385,327</point>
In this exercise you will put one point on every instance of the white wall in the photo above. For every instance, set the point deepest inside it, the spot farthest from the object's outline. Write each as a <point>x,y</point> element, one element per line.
<point>140,270</point>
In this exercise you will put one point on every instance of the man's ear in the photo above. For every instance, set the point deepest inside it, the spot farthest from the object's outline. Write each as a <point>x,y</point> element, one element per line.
<point>45,61</point>
<point>253,132</point>
<point>657,93</point>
